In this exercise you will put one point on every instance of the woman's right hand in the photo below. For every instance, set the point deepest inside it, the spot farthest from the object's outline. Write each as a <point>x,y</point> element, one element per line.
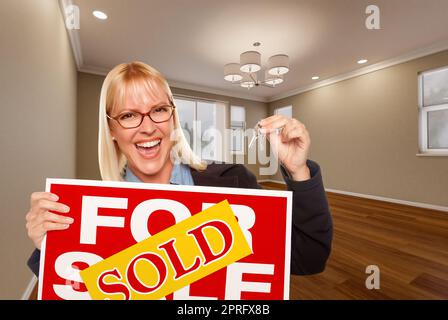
<point>39,219</point>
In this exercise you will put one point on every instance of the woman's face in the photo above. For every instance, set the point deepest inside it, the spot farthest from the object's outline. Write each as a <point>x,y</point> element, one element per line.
<point>147,147</point>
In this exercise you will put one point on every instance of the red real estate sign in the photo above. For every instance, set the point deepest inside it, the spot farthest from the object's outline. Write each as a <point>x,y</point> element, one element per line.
<point>112,216</point>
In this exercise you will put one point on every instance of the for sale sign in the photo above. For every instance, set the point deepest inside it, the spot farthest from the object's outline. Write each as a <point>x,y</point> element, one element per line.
<point>118,219</point>
<point>171,259</point>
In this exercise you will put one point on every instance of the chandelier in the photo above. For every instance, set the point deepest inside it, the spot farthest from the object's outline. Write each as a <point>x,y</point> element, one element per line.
<point>246,72</point>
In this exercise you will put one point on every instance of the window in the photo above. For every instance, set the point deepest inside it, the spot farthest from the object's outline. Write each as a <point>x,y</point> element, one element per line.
<point>203,123</point>
<point>238,127</point>
<point>433,112</point>
<point>286,111</point>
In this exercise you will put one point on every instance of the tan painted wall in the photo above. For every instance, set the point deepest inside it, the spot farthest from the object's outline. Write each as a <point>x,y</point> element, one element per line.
<point>37,126</point>
<point>89,87</point>
<point>364,134</point>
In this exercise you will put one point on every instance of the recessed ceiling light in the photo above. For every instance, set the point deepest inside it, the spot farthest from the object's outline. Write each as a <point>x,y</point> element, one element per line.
<point>315,78</point>
<point>362,61</point>
<point>100,15</point>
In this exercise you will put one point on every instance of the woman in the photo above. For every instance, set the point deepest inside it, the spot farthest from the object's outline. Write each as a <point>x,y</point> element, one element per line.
<point>140,140</point>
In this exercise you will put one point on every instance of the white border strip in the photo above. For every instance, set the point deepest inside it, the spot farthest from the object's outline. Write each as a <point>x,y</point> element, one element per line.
<point>271,180</point>
<point>77,53</point>
<point>182,85</point>
<point>422,52</point>
<point>201,189</point>
<point>42,253</point>
<point>404,202</point>
<point>169,187</point>
<point>29,289</point>
<point>419,53</point>
<point>94,70</point>
<point>41,267</point>
<point>73,35</point>
<point>233,94</point>
<point>288,228</point>
<point>433,154</point>
<point>373,197</point>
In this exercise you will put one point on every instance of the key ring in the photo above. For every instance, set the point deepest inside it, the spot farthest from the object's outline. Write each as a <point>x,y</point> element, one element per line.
<point>258,134</point>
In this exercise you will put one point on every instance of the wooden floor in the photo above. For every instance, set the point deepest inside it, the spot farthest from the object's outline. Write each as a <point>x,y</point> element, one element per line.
<point>408,244</point>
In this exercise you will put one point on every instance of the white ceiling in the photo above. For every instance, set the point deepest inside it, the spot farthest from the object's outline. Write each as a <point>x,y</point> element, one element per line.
<point>190,41</point>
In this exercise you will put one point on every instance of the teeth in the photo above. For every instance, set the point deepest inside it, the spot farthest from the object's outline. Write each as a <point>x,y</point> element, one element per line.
<point>148,144</point>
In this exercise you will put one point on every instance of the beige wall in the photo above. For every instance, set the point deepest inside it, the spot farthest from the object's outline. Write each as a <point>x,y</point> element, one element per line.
<point>37,126</point>
<point>89,87</point>
<point>364,134</point>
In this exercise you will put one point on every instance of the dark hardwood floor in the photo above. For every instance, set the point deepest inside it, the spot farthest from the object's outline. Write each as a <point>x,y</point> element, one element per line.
<point>408,244</point>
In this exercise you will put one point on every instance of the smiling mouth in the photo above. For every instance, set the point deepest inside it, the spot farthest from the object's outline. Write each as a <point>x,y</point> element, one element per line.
<point>149,148</point>
<point>149,144</point>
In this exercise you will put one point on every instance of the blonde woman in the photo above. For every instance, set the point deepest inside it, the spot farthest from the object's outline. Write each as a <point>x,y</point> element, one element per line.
<point>140,141</point>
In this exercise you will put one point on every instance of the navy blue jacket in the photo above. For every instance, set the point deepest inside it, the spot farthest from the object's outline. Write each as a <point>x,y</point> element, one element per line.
<point>312,227</point>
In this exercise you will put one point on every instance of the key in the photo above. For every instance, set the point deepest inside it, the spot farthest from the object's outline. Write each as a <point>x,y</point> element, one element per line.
<point>254,138</point>
<point>257,135</point>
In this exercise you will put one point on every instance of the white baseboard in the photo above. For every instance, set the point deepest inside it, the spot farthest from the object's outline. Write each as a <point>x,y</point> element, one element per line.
<point>270,180</point>
<point>373,197</point>
<point>398,201</point>
<point>29,289</point>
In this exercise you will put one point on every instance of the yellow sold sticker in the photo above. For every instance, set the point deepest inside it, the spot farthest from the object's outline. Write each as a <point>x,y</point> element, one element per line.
<point>171,259</point>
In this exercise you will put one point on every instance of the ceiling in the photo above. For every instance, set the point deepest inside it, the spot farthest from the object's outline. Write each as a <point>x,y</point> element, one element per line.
<point>190,41</point>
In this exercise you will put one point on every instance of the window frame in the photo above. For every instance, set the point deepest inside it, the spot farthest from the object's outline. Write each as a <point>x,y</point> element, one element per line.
<point>284,107</point>
<point>242,128</point>
<point>423,118</point>
<point>224,153</point>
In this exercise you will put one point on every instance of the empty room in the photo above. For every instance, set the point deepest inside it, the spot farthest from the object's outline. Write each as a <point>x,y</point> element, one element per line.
<point>224,150</point>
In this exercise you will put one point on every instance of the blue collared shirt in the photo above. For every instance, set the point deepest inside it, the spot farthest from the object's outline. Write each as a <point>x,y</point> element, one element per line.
<point>181,174</point>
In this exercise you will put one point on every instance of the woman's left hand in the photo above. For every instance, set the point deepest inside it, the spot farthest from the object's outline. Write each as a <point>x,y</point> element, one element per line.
<point>291,145</point>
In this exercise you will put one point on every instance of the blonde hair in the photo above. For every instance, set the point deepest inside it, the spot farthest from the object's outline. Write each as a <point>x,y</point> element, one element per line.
<point>132,76</point>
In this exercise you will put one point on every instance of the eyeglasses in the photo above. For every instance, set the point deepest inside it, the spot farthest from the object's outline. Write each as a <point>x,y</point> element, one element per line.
<point>133,119</point>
